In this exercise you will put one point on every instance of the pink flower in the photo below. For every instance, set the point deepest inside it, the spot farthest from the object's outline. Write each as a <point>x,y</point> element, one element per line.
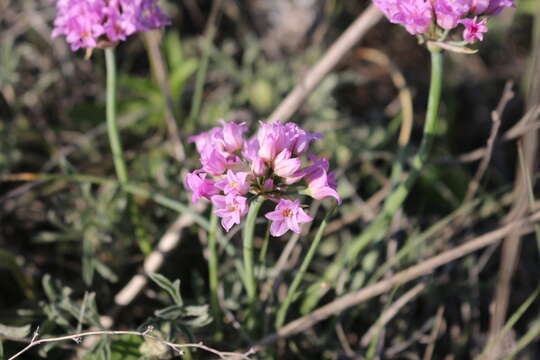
<point>258,167</point>
<point>415,15</point>
<point>284,165</point>
<point>490,7</point>
<point>449,12</point>
<point>287,216</point>
<point>298,139</point>
<point>474,30</point>
<point>86,23</point>
<point>211,137</point>
<point>213,161</point>
<point>230,208</point>
<point>268,147</point>
<point>233,135</point>
<point>479,6</point>
<point>496,6</point>
<point>236,184</point>
<point>200,186</point>
<point>320,184</point>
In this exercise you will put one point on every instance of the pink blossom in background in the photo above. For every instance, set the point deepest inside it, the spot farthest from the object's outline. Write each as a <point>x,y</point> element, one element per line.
<point>474,30</point>
<point>418,16</point>
<point>87,23</point>
<point>267,165</point>
<point>288,215</point>
<point>496,6</point>
<point>449,12</point>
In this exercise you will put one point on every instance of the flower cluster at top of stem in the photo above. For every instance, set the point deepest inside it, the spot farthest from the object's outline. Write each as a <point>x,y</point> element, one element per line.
<point>235,169</point>
<point>418,16</point>
<point>101,23</point>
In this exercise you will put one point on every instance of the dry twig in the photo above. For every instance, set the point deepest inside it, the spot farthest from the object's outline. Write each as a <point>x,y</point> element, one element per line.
<point>341,46</point>
<point>146,334</point>
<point>391,312</point>
<point>523,226</point>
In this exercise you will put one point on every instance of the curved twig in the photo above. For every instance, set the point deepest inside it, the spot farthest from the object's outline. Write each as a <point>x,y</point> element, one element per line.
<point>146,334</point>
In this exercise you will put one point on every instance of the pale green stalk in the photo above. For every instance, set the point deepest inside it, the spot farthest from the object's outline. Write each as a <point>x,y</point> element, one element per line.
<point>248,235</point>
<point>213,267</point>
<point>291,292</point>
<point>117,152</point>
<point>112,127</point>
<point>375,231</point>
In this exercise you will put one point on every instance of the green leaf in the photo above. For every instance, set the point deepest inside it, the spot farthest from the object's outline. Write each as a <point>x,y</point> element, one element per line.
<point>172,288</point>
<point>173,49</point>
<point>105,271</point>
<point>170,312</point>
<point>180,75</point>
<point>48,287</point>
<point>88,259</point>
<point>15,331</point>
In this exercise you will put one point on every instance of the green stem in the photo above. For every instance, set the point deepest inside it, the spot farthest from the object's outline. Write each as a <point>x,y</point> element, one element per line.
<point>213,267</point>
<point>248,235</point>
<point>112,127</point>
<point>375,231</point>
<point>282,312</point>
<point>118,154</point>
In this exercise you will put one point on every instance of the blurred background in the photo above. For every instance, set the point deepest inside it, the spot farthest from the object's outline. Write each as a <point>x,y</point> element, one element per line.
<point>61,241</point>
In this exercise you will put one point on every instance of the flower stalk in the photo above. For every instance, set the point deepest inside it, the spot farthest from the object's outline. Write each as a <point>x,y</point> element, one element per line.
<point>213,267</point>
<point>112,126</point>
<point>394,201</point>
<point>117,150</point>
<point>248,235</point>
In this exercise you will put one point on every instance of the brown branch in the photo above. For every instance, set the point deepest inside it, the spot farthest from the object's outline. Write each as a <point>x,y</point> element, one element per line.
<point>152,40</point>
<point>391,312</point>
<point>414,272</point>
<point>335,53</point>
<point>496,116</point>
<point>146,334</point>
<point>512,244</point>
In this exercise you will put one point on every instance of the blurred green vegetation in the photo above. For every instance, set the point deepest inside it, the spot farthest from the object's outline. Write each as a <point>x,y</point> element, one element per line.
<point>67,248</point>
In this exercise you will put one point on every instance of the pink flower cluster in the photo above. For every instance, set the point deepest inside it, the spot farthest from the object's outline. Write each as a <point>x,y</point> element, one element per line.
<point>91,23</point>
<point>418,15</point>
<point>235,169</point>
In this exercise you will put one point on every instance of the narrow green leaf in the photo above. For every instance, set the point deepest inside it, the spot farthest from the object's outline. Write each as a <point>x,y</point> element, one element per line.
<point>105,271</point>
<point>173,288</point>
<point>15,331</point>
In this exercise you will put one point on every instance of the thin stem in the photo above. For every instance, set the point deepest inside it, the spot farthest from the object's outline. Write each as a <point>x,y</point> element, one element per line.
<point>118,154</point>
<point>213,267</point>
<point>377,228</point>
<point>282,312</point>
<point>178,348</point>
<point>200,78</point>
<point>248,235</point>
<point>112,127</point>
